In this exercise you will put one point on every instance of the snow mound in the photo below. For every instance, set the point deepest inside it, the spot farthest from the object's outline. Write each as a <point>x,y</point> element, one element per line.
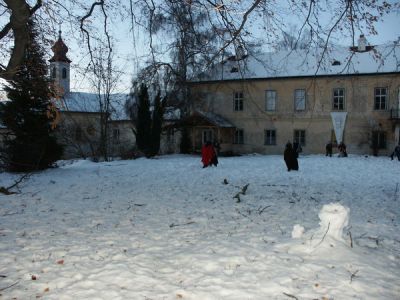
<point>334,217</point>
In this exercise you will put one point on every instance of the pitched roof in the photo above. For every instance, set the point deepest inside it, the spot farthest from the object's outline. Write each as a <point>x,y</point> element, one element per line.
<point>308,62</point>
<point>89,103</point>
<point>200,118</point>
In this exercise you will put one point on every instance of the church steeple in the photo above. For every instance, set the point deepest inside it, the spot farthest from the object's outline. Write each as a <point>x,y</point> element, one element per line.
<point>60,65</point>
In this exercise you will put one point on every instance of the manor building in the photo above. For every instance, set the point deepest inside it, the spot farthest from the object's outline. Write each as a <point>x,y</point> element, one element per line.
<point>310,96</point>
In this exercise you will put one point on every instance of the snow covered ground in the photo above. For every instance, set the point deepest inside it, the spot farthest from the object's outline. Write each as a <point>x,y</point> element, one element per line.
<point>167,229</point>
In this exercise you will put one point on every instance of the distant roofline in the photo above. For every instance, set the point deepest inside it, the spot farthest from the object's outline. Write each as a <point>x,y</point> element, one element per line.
<point>293,77</point>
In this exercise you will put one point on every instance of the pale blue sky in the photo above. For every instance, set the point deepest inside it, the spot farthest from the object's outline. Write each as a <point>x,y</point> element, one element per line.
<point>129,58</point>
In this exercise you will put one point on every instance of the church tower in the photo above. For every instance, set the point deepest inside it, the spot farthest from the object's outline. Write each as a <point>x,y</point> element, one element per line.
<point>60,65</point>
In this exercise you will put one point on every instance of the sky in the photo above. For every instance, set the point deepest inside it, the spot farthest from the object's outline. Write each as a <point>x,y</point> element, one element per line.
<point>165,228</point>
<point>130,52</point>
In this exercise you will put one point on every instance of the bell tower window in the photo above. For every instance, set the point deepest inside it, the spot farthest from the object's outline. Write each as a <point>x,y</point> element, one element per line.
<point>53,72</point>
<point>64,73</point>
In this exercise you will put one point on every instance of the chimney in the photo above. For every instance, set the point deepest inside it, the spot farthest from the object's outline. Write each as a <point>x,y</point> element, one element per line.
<point>362,43</point>
<point>240,52</point>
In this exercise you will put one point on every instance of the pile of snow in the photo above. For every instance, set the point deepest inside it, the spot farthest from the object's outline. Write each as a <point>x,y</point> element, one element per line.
<point>166,228</point>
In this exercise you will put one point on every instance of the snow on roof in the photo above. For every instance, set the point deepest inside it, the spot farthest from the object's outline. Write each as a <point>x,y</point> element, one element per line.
<point>308,62</point>
<point>88,102</point>
<point>215,119</point>
<point>172,113</point>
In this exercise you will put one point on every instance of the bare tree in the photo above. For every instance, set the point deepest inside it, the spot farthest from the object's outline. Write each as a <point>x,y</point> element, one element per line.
<point>197,25</point>
<point>198,33</point>
<point>104,78</point>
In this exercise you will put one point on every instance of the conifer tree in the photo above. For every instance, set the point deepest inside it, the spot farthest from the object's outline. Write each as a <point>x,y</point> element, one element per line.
<point>31,146</point>
<point>156,127</point>
<point>143,125</point>
<point>185,145</point>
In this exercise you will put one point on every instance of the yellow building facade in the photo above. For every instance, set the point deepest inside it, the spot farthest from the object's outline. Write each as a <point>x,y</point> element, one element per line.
<point>268,110</point>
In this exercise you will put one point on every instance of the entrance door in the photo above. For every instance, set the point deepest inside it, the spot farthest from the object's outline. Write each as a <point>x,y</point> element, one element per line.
<point>207,136</point>
<point>397,135</point>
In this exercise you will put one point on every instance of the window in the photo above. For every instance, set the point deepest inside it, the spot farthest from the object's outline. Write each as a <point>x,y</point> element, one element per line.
<point>64,73</point>
<point>380,98</point>
<point>338,99</point>
<point>78,134</point>
<point>90,130</point>
<point>116,135</point>
<point>207,136</point>
<point>270,100</point>
<point>170,134</point>
<point>53,72</point>
<point>270,137</point>
<point>239,136</point>
<point>379,140</point>
<point>238,101</point>
<point>300,137</point>
<point>299,99</point>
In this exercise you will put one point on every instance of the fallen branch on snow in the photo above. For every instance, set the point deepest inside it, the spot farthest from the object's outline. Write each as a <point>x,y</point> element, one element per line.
<point>353,275</point>
<point>7,287</point>
<point>176,225</point>
<point>6,190</point>
<point>323,236</point>
<point>242,192</point>
<point>290,296</point>
<point>262,210</point>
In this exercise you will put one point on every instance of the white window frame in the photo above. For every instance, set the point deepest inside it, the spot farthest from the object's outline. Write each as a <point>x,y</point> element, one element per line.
<point>270,137</point>
<point>299,135</point>
<point>338,99</point>
<point>380,98</point>
<point>238,101</point>
<point>299,99</point>
<point>238,137</point>
<point>270,100</point>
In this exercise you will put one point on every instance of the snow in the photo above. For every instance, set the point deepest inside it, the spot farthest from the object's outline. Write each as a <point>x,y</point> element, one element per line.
<point>166,228</point>
<point>90,102</point>
<point>308,62</point>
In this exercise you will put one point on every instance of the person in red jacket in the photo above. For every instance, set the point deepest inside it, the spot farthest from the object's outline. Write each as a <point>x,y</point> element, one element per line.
<point>208,155</point>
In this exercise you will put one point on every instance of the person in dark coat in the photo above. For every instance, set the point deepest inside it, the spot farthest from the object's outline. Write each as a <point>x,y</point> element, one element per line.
<point>328,149</point>
<point>342,150</point>
<point>297,148</point>
<point>289,155</point>
<point>396,152</point>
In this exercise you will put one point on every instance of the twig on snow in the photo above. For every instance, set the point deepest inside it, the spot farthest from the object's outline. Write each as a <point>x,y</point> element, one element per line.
<point>290,296</point>
<point>353,275</point>
<point>7,287</point>
<point>176,225</point>
<point>262,210</point>
<point>6,190</point>
<point>351,239</point>
<point>242,192</point>
<point>324,235</point>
